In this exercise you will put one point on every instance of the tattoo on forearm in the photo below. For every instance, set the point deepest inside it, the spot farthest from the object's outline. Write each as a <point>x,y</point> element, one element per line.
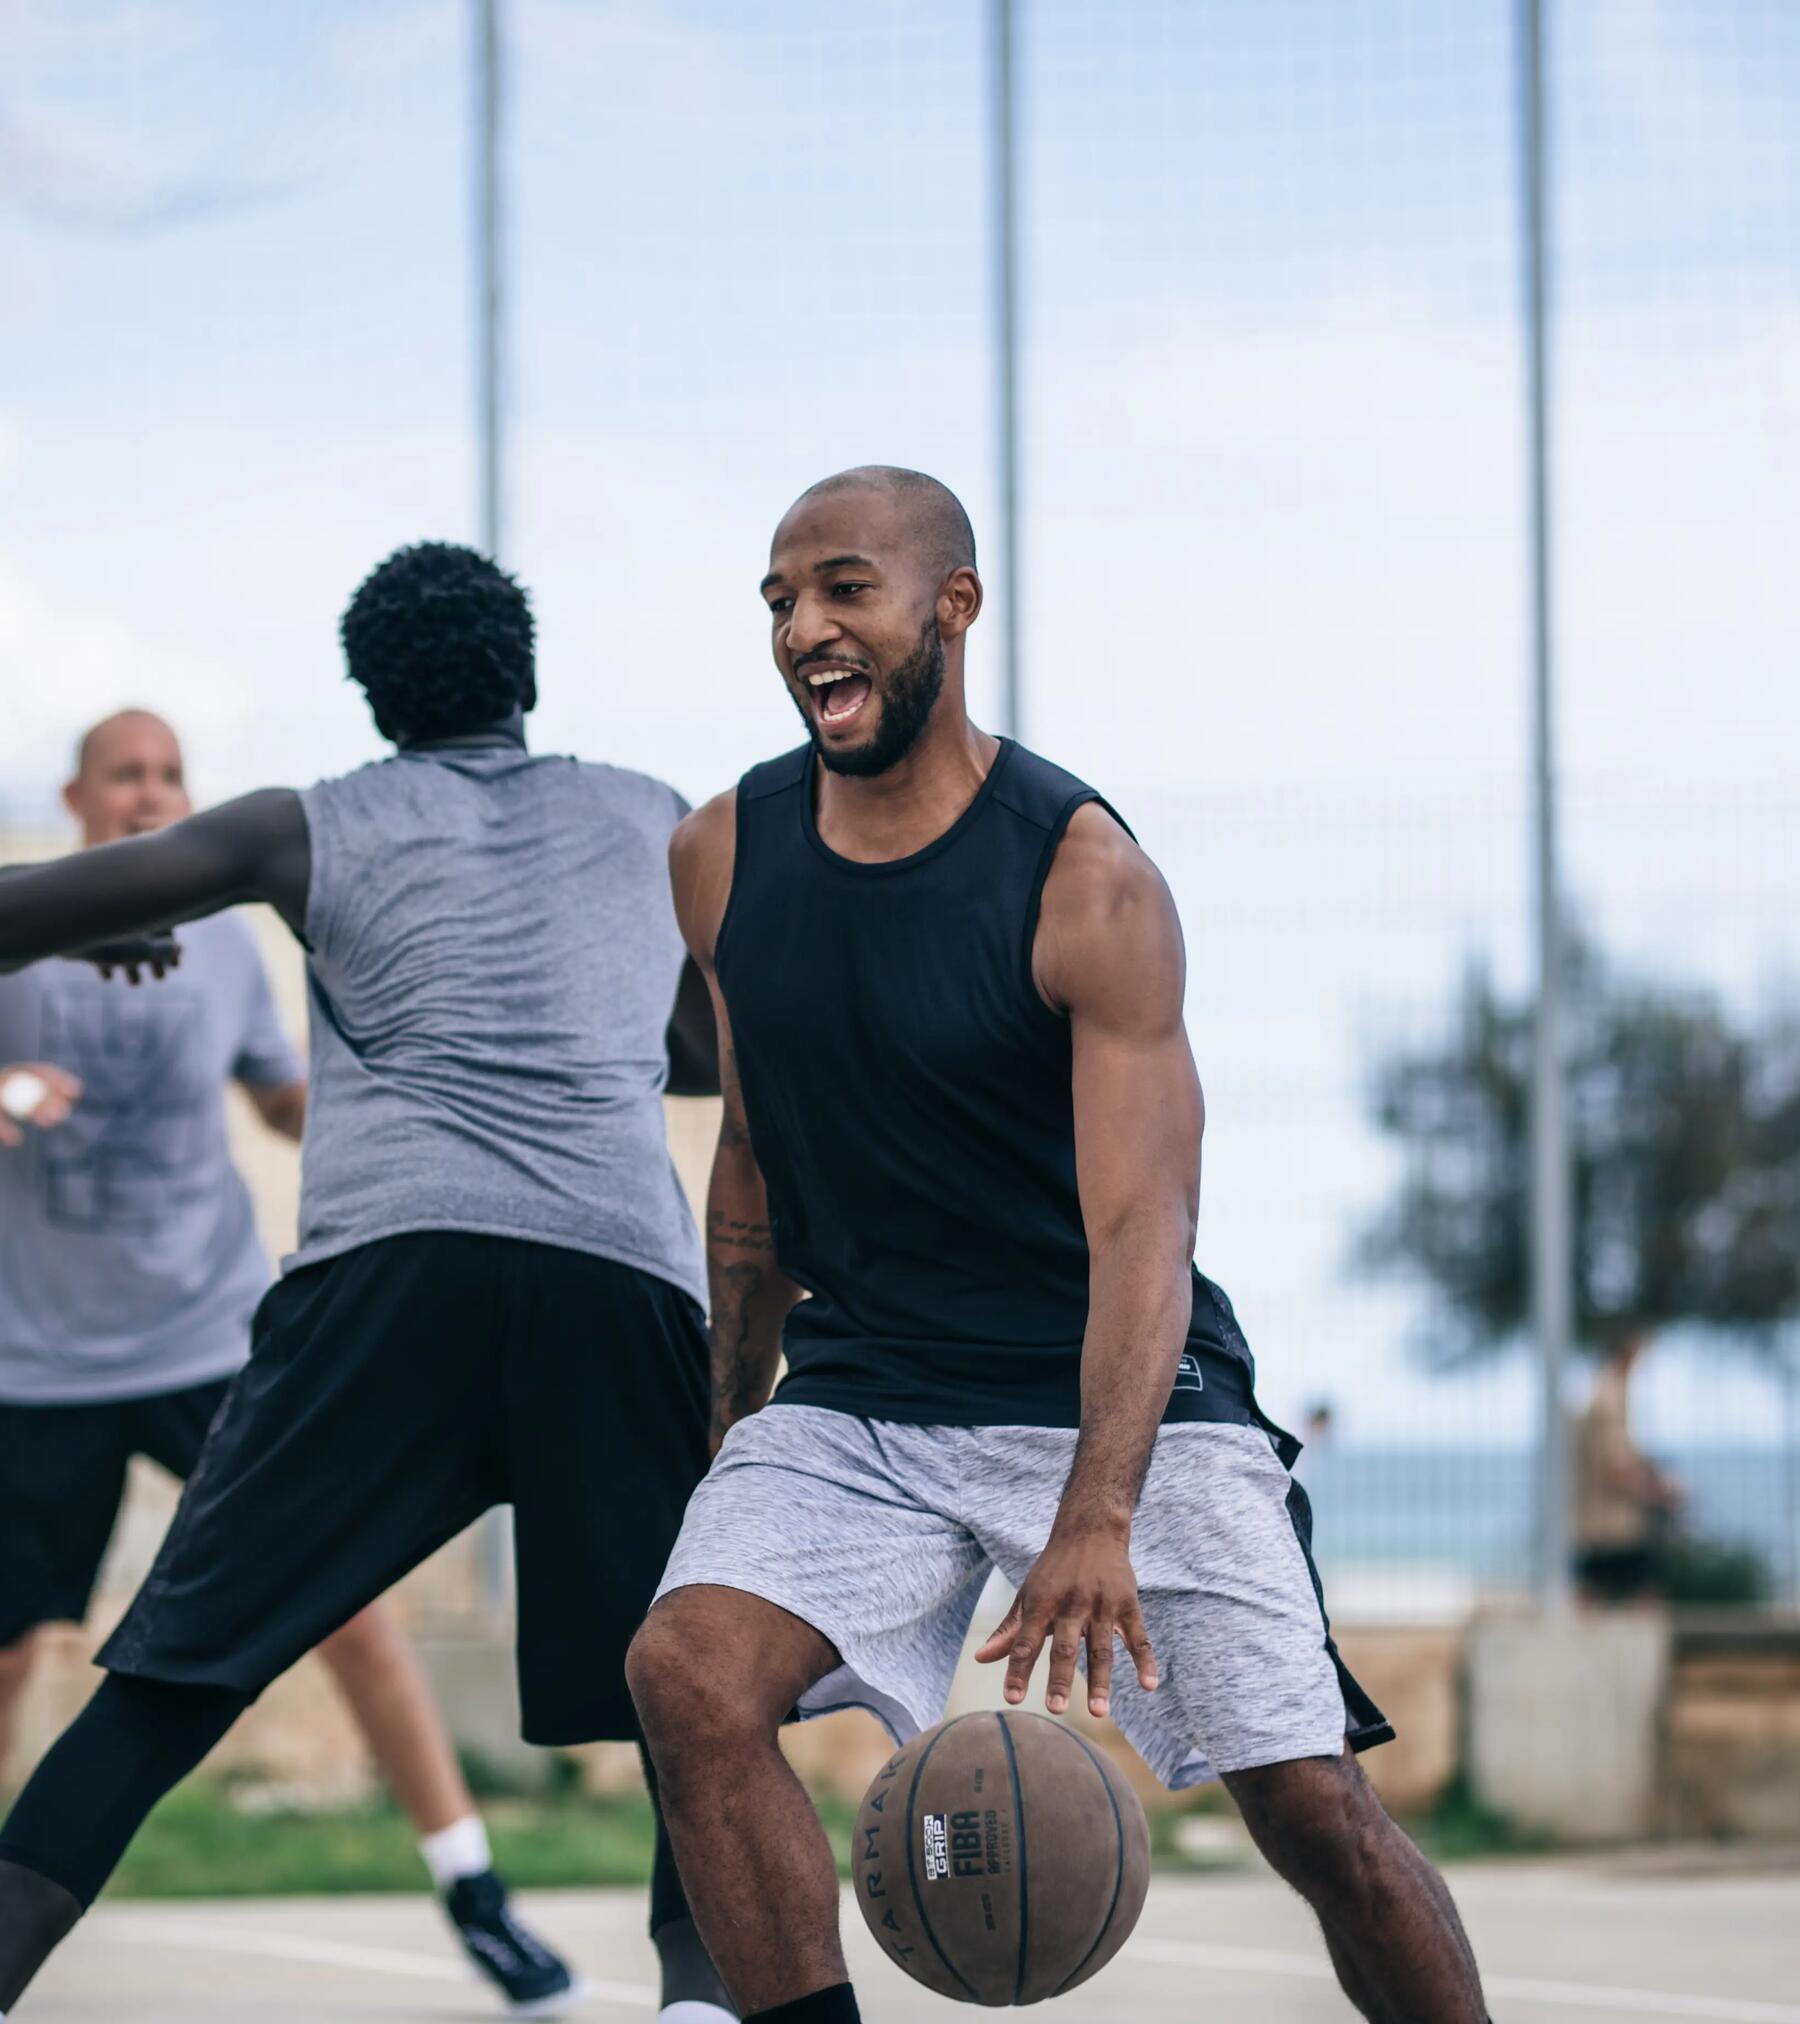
<point>737,1380</point>
<point>732,1233</point>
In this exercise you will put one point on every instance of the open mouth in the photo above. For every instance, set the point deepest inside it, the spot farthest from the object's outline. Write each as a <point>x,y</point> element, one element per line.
<point>839,693</point>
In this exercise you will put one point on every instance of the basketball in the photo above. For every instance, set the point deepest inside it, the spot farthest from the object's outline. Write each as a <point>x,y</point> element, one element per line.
<point>1000,1858</point>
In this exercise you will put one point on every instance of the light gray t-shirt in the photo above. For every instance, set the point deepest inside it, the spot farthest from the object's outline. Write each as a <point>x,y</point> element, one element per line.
<point>493,963</point>
<point>129,1259</point>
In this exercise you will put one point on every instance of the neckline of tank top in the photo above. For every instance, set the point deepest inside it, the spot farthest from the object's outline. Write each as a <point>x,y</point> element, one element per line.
<point>478,760</point>
<point>886,867</point>
<point>508,735</point>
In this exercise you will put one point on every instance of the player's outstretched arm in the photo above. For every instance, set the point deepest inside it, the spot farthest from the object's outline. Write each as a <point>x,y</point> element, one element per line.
<point>751,1294</point>
<point>255,848</point>
<point>1109,953</point>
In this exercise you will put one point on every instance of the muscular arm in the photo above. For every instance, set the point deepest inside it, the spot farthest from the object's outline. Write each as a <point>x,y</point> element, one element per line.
<point>255,848</point>
<point>751,1294</point>
<point>1109,953</point>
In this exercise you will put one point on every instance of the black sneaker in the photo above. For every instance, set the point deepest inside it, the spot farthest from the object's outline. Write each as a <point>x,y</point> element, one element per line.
<point>533,1981</point>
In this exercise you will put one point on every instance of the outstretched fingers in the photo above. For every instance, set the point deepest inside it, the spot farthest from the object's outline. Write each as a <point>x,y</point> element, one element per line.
<point>1127,1622</point>
<point>1137,1643</point>
<point>1017,1638</point>
<point>1067,1627</point>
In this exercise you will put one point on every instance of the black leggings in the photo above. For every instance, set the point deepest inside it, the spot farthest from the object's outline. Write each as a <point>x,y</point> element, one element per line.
<point>135,1741</point>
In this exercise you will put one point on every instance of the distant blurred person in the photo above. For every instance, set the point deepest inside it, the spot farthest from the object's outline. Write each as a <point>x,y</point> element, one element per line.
<point>1625,1506</point>
<point>130,1267</point>
<point>1318,1428</point>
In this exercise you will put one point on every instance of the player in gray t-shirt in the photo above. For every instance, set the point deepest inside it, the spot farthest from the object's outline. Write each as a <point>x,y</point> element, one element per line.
<point>497,1295</point>
<point>130,1268</point>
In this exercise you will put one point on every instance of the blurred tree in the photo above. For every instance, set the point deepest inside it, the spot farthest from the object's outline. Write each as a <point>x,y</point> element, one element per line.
<point>1686,1131</point>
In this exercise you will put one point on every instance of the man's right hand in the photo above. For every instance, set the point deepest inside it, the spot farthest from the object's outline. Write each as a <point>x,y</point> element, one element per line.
<point>34,1093</point>
<point>134,954</point>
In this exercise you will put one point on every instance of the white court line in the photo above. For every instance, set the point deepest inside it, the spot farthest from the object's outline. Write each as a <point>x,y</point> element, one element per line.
<point>337,1954</point>
<point>1169,1953</point>
<point>1514,1988</point>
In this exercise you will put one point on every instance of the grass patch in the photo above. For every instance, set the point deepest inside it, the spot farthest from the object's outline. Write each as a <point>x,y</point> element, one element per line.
<point>1460,1828</point>
<point>203,1841</point>
<point>208,1839</point>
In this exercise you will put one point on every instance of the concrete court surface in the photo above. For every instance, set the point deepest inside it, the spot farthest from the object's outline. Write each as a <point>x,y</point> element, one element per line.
<point>1561,1943</point>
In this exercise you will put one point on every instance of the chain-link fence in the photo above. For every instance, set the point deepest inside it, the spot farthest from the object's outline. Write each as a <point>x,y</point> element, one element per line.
<point>1272,515</point>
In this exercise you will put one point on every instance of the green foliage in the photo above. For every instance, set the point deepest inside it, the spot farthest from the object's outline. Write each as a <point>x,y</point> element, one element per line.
<point>1459,1828</point>
<point>205,1841</point>
<point>199,1843</point>
<point>555,1774</point>
<point>1696,1572</point>
<point>1686,1135</point>
<point>208,1839</point>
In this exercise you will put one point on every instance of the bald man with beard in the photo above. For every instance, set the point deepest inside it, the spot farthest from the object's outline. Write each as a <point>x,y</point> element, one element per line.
<point>962,1117</point>
<point>130,1267</point>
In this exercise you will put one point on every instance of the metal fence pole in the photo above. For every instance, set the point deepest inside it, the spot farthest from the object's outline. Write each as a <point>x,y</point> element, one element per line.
<point>487,265</point>
<point>496,1527</point>
<point>1006,349</point>
<point>1552,1246</point>
<point>1790,1374</point>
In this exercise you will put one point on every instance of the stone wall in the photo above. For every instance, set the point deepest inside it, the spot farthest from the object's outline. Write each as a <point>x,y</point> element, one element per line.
<point>1731,1731</point>
<point>1633,1725</point>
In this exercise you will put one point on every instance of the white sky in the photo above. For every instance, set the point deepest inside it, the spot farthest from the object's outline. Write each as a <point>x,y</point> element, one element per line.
<point>1274,602</point>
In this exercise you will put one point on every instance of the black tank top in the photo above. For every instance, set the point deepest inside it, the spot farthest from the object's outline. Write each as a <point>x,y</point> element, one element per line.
<point>909,1102</point>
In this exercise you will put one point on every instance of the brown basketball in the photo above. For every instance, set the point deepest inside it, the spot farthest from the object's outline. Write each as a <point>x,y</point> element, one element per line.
<point>1000,1858</point>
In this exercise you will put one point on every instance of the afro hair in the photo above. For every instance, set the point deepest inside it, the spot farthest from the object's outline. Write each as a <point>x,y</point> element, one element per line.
<point>439,638</point>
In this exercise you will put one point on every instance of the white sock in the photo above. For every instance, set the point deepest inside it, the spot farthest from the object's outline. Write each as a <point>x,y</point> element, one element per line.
<point>677,2013</point>
<point>456,1851</point>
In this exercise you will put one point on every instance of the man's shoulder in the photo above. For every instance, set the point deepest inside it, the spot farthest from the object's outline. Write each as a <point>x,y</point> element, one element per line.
<point>705,836</point>
<point>624,788</point>
<point>708,836</point>
<point>1030,778</point>
<point>353,776</point>
<point>328,803</point>
<point>1108,923</point>
<point>1100,865</point>
<point>1043,793</point>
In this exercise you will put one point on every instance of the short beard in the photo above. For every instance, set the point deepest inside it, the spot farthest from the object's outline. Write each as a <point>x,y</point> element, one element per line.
<point>907,702</point>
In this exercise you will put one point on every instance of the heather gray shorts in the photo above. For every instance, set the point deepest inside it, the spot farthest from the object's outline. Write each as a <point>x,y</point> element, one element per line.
<point>882,1537</point>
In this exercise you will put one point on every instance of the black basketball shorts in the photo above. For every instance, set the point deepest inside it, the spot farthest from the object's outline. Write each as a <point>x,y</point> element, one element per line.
<point>62,1480</point>
<point>392,1395</point>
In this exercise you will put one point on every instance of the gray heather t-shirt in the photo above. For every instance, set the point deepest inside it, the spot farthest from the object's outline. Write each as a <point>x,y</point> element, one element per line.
<point>494,958</point>
<point>129,1259</point>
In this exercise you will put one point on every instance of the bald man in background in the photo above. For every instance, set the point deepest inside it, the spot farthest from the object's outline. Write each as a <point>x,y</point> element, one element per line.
<point>130,1268</point>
